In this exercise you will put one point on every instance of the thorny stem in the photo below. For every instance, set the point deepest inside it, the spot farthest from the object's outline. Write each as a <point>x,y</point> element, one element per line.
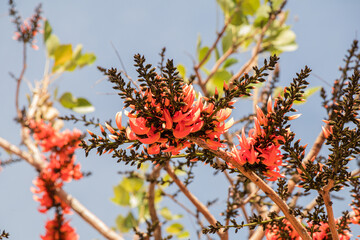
<point>18,83</point>
<point>81,210</point>
<point>199,206</point>
<point>227,157</point>
<point>151,199</point>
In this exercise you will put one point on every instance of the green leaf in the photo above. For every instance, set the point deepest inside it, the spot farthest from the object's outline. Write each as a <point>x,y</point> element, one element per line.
<point>132,184</point>
<point>52,43</point>
<point>218,81</point>
<point>86,59</point>
<point>182,70</point>
<point>83,106</point>
<point>227,40</point>
<point>202,54</point>
<point>238,18</point>
<point>67,100</point>
<point>175,228</point>
<point>121,196</point>
<point>165,213</point>
<point>229,62</point>
<point>262,15</point>
<point>308,92</point>
<point>285,41</point>
<point>250,6</point>
<point>217,54</point>
<point>184,234</point>
<point>56,91</point>
<point>47,31</point>
<point>62,54</point>
<point>124,224</point>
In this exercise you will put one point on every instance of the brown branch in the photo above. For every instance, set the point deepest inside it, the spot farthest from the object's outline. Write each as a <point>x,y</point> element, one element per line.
<point>227,157</point>
<point>325,193</point>
<point>199,206</point>
<point>83,212</point>
<point>151,199</point>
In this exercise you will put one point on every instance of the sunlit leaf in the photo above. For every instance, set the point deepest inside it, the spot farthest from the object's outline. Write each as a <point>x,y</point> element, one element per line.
<point>175,228</point>
<point>229,62</point>
<point>308,92</point>
<point>202,54</point>
<point>62,54</point>
<point>67,100</point>
<point>83,106</point>
<point>166,213</point>
<point>86,59</point>
<point>217,81</point>
<point>52,43</point>
<point>250,6</point>
<point>47,31</point>
<point>124,224</point>
<point>121,196</point>
<point>132,184</point>
<point>227,40</point>
<point>184,234</point>
<point>182,70</point>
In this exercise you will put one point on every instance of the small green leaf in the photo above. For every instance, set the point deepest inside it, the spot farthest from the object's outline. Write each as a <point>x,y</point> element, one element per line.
<point>229,62</point>
<point>47,31</point>
<point>121,196</point>
<point>83,106</point>
<point>62,54</point>
<point>165,213</point>
<point>132,184</point>
<point>250,6</point>
<point>175,228</point>
<point>182,70</point>
<point>227,40</point>
<point>86,59</point>
<point>217,81</point>
<point>67,100</point>
<point>217,54</point>
<point>202,54</point>
<point>184,234</point>
<point>308,92</point>
<point>124,224</point>
<point>52,43</point>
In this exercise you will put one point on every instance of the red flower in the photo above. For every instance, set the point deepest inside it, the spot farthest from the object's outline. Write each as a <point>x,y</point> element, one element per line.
<point>58,229</point>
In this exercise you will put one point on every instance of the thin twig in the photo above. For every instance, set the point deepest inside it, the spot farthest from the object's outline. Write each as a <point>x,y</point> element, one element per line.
<point>19,82</point>
<point>199,206</point>
<point>151,199</point>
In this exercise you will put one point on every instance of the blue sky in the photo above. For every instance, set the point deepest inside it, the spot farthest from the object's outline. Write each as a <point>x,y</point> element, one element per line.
<point>325,29</point>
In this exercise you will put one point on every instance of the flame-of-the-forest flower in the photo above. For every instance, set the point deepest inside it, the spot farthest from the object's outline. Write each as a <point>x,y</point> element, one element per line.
<point>321,232</point>
<point>59,229</point>
<point>28,31</point>
<point>255,150</point>
<point>167,127</point>
<point>61,168</point>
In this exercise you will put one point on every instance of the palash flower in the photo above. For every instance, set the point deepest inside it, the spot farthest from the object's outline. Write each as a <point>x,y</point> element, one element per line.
<point>61,168</point>
<point>167,127</point>
<point>59,229</point>
<point>321,232</point>
<point>253,149</point>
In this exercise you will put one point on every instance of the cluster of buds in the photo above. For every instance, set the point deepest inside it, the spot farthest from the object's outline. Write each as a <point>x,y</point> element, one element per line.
<point>164,124</point>
<point>262,148</point>
<point>321,232</point>
<point>61,168</point>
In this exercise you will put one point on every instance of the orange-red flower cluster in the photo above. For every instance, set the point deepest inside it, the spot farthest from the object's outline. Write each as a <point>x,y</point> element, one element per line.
<point>61,168</point>
<point>253,150</point>
<point>58,228</point>
<point>166,130</point>
<point>321,232</point>
<point>29,31</point>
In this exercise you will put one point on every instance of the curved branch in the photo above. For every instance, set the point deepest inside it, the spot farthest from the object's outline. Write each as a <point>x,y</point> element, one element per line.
<point>227,157</point>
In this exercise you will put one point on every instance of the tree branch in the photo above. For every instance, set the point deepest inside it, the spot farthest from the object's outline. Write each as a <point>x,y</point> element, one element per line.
<point>227,157</point>
<point>151,198</point>
<point>81,210</point>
